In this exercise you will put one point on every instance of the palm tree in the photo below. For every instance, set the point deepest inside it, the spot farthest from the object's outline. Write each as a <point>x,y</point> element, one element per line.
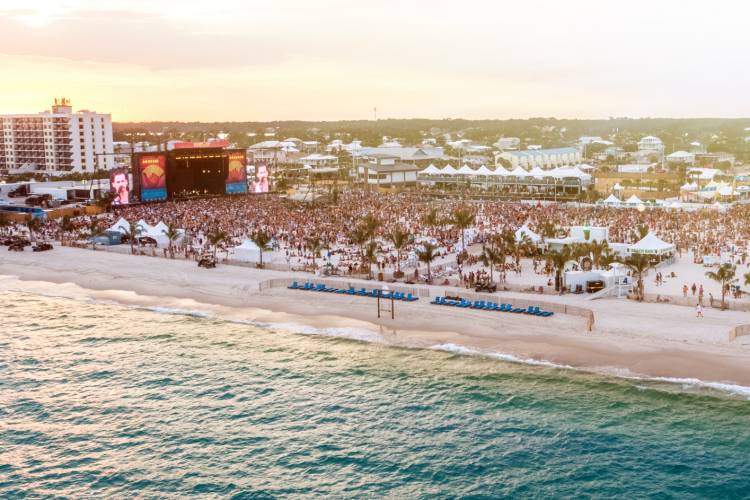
<point>172,234</point>
<point>490,257</point>
<point>34,224</point>
<point>371,252</point>
<point>95,230</point>
<point>547,230</point>
<point>725,275</point>
<point>608,257</point>
<point>315,245</point>
<point>262,239</point>
<point>597,249</point>
<point>430,219</point>
<point>66,225</point>
<point>133,232</point>
<point>4,221</point>
<point>427,254</point>
<point>215,238</point>
<point>558,258</point>
<point>400,238</point>
<point>639,263</point>
<point>370,224</point>
<point>359,237</point>
<point>463,218</point>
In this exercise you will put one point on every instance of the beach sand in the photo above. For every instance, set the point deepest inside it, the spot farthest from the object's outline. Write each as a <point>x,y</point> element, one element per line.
<point>629,338</point>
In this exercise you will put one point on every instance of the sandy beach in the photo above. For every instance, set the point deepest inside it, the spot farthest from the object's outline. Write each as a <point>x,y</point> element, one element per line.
<point>629,338</point>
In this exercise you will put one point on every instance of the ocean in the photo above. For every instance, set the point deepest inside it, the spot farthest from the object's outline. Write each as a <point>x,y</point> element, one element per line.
<point>100,400</point>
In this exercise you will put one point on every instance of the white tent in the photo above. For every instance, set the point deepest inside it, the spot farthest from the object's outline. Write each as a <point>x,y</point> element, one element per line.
<point>500,171</point>
<point>145,226</point>
<point>538,172</point>
<point>519,172</point>
<point>483,171</point>
<point>612,200</point>
<point>430,170</point>
<point>466,170</point>
<point>617,187</point>
<point>652,245</point>
<point>525,231</point>
<point>633,200</point>
<point>248,251</point>
<point>689,186</point>
<point>121,226</point>
<point>448,170</point>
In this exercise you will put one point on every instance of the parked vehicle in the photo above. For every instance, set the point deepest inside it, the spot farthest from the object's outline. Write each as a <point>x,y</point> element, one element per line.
<point>42,247</point>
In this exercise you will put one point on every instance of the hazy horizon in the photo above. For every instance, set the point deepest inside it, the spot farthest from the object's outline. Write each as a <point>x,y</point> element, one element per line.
<point>336,61</point>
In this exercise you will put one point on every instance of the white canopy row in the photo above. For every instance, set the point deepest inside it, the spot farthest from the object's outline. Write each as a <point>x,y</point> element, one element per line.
<point>483,171</point>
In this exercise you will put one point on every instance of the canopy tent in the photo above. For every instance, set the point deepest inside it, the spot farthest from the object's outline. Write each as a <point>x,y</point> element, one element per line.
<point>144,226</point>
<point>483,171</point>
<point>249,251</point>
<point>538,172</point>
<point>617,187</point>
<point>466,170</point>
<point>430,170</point>
<point>652,245</point>
<point>500,171</point>
<point>689,186</point>
<point>612,200</point>
<point>633,200</point>
<point>448,170</point>
<point>121,226</point>
<point>525,231</point>
<point>519,172</point>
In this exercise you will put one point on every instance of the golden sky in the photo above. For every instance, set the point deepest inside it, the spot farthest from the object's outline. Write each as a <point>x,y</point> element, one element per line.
<point>334,59</point>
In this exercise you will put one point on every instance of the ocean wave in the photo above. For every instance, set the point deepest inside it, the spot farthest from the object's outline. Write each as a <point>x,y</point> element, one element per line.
<point>360,334</point>
<point>622,373</point>
<point>176,311</point>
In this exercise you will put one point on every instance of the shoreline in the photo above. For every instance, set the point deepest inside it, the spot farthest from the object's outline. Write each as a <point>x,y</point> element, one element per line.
<point>630,339</point>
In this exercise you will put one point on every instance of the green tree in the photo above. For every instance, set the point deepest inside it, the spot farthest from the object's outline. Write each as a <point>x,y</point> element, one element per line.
<point>724,275</point>
<point>133,232</point>
<point>558,258</point>
<point>427,254</point>
<point>215,238</point>
<point>462,219</point>
<point>315,245</point>
<point>172,234</point>
<point>597,249</point>
<point>400,238</point>
<point>262,239</point>
<point>34,224</point>
<point>66,226</point>
<point>639,263</point>
<point>490,257</point>
<point>370,255</point>
<point>95,231</point>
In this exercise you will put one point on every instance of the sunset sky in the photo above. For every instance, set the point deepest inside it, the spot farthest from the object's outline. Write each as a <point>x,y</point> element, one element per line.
<point>327,60</point>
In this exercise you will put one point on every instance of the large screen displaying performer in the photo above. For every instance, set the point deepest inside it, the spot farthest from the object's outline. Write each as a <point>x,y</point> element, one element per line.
<point>262,182</point>
<point>119,185</point>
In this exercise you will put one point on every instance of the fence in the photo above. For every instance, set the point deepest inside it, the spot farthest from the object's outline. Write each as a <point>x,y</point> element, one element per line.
<point>427,293</point>
<point>739,331</point>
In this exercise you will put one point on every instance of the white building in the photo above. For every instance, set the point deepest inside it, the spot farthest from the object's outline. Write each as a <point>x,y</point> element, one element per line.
<point>508,143</point>
<point>650,143</point>
<point>681,157</point>
<point>542,158</point>
<point>57,141</point>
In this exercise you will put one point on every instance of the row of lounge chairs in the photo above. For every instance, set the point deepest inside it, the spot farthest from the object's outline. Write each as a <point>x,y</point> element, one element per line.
<point>362,292</point>
<point>491,306</point>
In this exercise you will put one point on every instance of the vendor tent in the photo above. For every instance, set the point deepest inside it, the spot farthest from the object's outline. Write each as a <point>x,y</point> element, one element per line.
<point>633,200</point>
<point>466,170</point>
<point>121,226</point>
<point>612,200</point>
<point>448,170</point>
<point>519,172</point>
<point>430,170</point>
<point>249,251</point>
<point>483,171</point>
<point>652,245</point>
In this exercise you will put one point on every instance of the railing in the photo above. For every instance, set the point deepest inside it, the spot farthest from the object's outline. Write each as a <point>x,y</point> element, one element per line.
<point>739,331</point>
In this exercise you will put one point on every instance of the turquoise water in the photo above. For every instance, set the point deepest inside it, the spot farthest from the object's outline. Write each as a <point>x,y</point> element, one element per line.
<point>105,401</point>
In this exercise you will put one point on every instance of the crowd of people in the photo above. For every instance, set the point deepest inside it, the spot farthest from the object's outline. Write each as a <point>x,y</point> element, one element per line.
<point>292,225</point>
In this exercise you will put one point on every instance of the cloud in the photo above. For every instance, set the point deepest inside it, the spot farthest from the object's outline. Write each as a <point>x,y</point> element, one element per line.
<point>148,40</point>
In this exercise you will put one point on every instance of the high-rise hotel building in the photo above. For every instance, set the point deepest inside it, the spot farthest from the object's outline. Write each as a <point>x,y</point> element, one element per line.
<point>56,141</point>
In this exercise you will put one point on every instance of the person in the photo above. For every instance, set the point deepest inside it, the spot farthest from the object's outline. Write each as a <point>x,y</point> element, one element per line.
<point>699,310</point>
<point>260,184</point>
<point>120,188</point>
